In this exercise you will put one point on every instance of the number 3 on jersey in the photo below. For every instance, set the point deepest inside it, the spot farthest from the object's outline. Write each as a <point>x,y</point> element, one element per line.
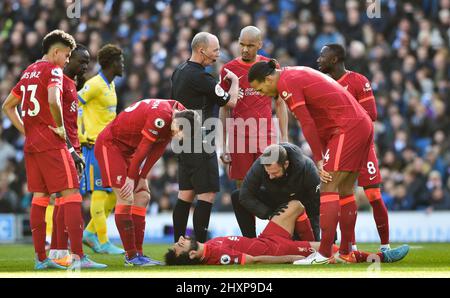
<point>33,99</point>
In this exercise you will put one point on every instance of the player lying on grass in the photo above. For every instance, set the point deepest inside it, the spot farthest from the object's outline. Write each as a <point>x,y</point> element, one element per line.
<point>273,246</point>
<point>141,132</point>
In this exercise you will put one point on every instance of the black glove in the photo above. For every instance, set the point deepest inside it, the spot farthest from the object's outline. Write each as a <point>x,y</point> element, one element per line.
<point>279,210</point>
<point>79,162</point>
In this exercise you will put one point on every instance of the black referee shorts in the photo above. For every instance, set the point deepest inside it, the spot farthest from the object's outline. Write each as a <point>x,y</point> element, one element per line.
<point>198,172</point>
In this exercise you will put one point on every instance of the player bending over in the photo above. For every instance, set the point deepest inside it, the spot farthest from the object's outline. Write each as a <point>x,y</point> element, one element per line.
<point>141,131</point>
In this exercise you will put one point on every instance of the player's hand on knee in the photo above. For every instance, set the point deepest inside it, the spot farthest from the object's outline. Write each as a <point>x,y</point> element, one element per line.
<point>325,177</point>
<point>127,189</point>
<point>142,185</point>
<point>279,210</point>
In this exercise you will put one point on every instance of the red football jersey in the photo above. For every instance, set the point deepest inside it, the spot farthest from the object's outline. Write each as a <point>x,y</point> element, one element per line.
<point>150,118</point>
<point>228,250</point>
<point>70,111</point>
<point>359,86</point>
<point>252,104</point>
<point>32,88</point>
<point>233,249</point>
<point>330,109</point>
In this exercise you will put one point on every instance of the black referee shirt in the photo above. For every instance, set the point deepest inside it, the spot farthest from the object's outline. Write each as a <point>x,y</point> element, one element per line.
<point>196,89</point>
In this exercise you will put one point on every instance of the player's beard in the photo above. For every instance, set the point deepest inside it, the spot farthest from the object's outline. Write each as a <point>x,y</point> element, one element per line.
<point>283,179</point>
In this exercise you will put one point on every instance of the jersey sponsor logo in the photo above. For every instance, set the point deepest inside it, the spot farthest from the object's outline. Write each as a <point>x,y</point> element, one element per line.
<point>118,179</point>
<point>373,177</point>
<point>367,87</point>
<point>285,95</point>
<point>98,182</point>
<point>318,188</point>
<point>225,259</point>
<point>292,194</point>
<point>219,90</point>
<point>57,72</point>
<point>233,238</point>
<point>159,123</point>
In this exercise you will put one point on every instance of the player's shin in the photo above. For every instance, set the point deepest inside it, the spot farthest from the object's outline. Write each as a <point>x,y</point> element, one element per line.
<point>124,223</point>
<point>380,214</point>
<point>74,222</point>
<point>329,218</point>
<point>37,223</point>
<point>347,222</point>
<point>138,214</point>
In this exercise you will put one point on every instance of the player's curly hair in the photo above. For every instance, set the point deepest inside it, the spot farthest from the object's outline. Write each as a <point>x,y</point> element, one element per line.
<point>183,259</point>
<point>57,36</point>
<point>261,70</point>
<point>108,54</point>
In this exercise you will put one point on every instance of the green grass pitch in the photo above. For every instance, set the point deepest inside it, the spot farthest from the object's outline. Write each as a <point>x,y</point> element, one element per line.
<point>423,260</point>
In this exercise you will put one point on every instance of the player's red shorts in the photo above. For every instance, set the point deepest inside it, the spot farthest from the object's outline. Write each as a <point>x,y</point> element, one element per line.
<point>349,150</point>
<point>51,171</point>
<point>244,152</point>
<point>370,172</point>
<point>112,162</point>
<point>280,242</point>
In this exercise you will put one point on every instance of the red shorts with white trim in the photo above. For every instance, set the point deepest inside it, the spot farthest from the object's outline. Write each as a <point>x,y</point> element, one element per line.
<point>370,172</point>
<point>51,171</point>
<point>349,150</point>
<point>112,163</point>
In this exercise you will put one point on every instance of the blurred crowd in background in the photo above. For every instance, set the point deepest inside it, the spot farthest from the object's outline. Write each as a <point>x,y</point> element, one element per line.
<point>404,52</point>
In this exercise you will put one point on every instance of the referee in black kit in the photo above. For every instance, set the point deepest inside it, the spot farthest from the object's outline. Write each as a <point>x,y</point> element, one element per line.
<point>198,173</point>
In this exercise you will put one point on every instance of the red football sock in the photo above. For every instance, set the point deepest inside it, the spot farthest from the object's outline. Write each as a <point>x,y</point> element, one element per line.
<point>37,223</point>
<point>347,222</point>
<point>138,215</point>
<point>303,228</point>
<point>73,220</point>
<point>54,242</point>
<point>364,257</point>
<point>124,223</point>
<point>380,213</point>
<point>63,236</point>
<point>329,218</point>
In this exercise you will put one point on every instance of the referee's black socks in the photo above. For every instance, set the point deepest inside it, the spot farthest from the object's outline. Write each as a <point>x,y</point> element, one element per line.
<point>180,217</point>
<point>202,214</point>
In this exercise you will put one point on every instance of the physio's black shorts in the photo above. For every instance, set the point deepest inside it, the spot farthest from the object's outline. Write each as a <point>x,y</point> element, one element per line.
<point>198,172</point>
